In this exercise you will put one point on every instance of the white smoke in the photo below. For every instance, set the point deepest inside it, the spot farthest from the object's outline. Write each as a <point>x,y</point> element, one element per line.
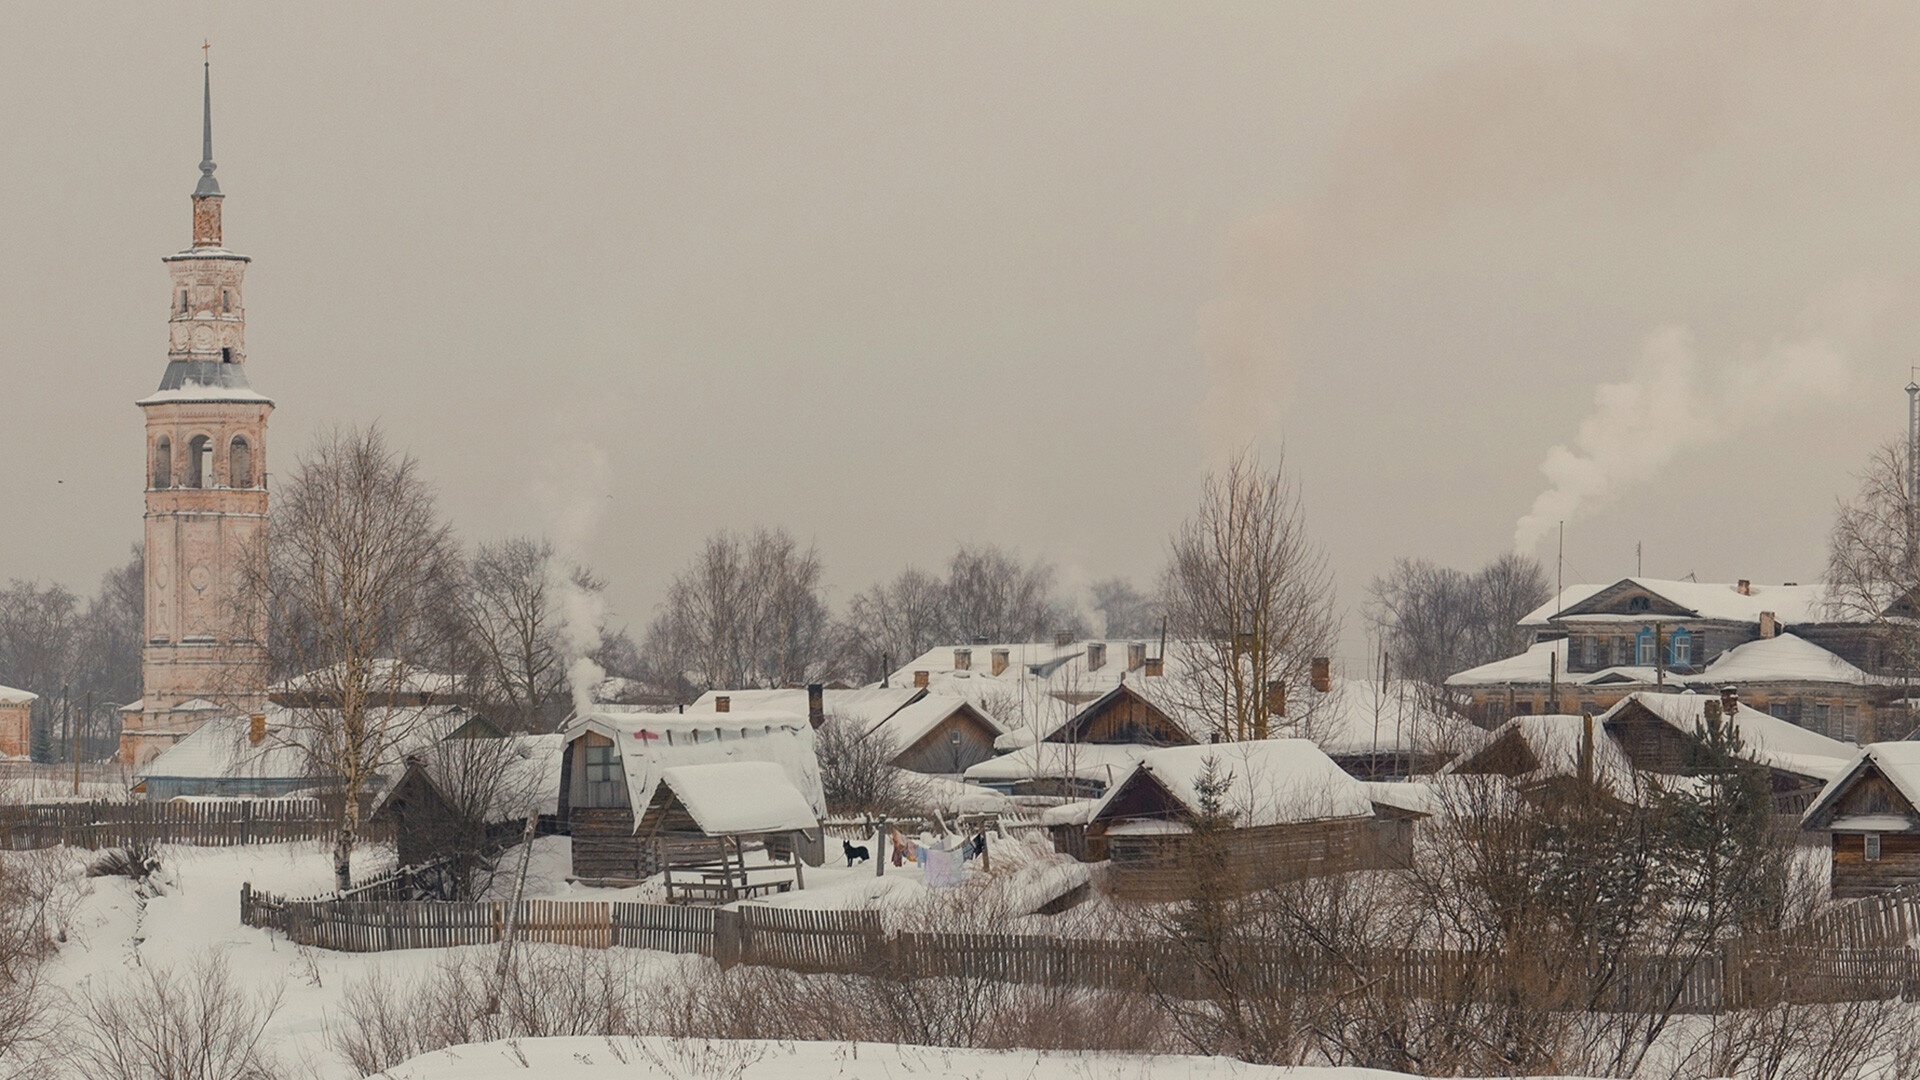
<point>1673,402</point>
<point>576,500</point>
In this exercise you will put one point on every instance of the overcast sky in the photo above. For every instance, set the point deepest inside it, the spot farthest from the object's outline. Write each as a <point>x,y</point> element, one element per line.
<point>900,276</point>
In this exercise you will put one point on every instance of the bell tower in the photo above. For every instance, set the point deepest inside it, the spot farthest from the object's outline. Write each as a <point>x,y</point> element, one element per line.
<point>206,484</point>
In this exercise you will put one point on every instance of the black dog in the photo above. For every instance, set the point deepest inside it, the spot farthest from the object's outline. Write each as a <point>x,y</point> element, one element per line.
<point>855,851</point>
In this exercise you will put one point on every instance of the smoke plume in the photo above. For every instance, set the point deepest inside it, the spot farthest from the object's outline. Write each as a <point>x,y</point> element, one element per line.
<point>576,502</point>
<point>1674,401</point>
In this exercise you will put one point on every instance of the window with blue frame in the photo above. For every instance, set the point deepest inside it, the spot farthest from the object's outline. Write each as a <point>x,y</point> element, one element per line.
<point>1680,654</point>
<point>1645,650</point>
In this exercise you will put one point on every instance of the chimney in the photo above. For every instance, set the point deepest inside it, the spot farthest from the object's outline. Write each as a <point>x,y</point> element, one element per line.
<point>1096,655</point>
<point>1063,638</point>
<point>1729,701</point>
<point>1745,587</point>
<point>920,679</point>
<point>999,661</point>
<point>962,659</point>
<point>1136,655</point>
<point>1277,697</point>
<point>1769,624</point>
<point>1322,674</point>
<point>816,704</point>
<point>257,729</point>
<point>723,703</point>
<point>1156,666</point>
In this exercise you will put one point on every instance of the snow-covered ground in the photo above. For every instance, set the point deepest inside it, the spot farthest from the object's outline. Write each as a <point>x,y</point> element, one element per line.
<point>594,1058</point>
<point>112,930</point>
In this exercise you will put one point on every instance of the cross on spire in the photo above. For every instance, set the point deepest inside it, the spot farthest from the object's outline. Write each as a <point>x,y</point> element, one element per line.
<point>208,185</point>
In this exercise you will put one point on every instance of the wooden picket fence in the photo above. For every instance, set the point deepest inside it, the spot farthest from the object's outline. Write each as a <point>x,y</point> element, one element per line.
<point>100,824</point>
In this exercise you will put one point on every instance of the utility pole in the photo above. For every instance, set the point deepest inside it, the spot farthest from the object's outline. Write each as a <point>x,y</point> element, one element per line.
<point>1637,572</point>
<point>84,715</point>
<point>1560,569</point>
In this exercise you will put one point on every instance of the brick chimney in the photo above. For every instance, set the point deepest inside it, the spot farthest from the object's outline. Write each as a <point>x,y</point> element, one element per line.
<point>999,661</point>
<point>1136,655</point>
<point>962,659</point>
<point>1769,624</point>
<point>816,704</point>
<point>1156,666</point>
<point>723,703</point>
<point>1277,697</point>
<point>1096,655</point>
<point>1745,587</point>
<point>1063,638</point>
<point>257,728</point>
<point>920,679</point>
<point>1729,700</point>
<point>1322,674</point>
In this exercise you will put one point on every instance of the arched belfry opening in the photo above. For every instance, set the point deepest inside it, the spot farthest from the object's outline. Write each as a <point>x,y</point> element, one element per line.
<point>240,463</point>
<point>199,461</point>
<point>162,462</point>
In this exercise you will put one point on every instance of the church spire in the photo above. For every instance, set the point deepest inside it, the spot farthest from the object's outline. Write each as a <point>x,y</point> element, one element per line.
<point>208,185</point>
<point>206,196</point>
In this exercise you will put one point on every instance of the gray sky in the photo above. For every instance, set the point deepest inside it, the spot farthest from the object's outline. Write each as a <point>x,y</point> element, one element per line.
<point>899,276</point>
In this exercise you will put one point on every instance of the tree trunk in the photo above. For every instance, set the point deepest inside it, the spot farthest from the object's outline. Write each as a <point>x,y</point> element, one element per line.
<point>343,844</point>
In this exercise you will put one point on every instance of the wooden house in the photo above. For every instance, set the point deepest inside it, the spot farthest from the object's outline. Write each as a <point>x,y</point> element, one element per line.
<point>1124,715</point>
<point>470,795</point>
<point>1082,753</point>
<point>1283,810</point>
<point>614,763</point>
<point>1557,757</point>
<point>1871,812</point>
<point>1656,733</point>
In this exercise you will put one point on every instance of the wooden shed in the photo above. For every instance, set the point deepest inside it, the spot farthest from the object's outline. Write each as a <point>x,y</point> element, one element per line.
<point>1285,811</point>
<point>470,794</point>
<point>1123,715</point>
<point>1871,813</point>
<point>615,762</point>
<point>1656,732</point>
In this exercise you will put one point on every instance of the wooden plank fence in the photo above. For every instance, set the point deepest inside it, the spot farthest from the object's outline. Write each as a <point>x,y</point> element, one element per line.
<point>854,942</point>
<point>101,824</point>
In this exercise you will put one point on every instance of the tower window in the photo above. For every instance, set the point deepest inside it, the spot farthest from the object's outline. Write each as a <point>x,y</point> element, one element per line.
<point>183,301</point>
<point>226,300</point>
<point>226,354</point>
<point>162,463</point>
<point>199,461</point>
<point>239,464</point>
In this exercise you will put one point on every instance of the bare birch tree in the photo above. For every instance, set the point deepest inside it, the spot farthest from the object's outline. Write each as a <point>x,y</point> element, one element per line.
<point>1873,558</point>
<point>359,573</point>
<point>1250,594</point>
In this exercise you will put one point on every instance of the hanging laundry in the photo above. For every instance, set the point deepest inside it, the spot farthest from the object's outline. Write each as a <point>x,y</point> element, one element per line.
<point>898,851</point>
<point>944,868</point>
<point>979,844</point>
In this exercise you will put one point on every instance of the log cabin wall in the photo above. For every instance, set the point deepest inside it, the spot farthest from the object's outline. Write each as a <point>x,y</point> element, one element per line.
<point>939,751</point>
<point>605,847</point>
<point>1855,876</point>
<point>1162,868</point>
<point>1124,718</point>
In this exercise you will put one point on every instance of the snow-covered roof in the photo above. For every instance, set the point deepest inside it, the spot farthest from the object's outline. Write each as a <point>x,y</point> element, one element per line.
<point>1768,739</point>
<point>1555,739</point>
<point>1268,782</point>
<point>11,696</point>
<point>1720,602</point>
<point>913,721</point>
<point>1359,716</point>
<point>1536,665</point>
<point>1782,658</point>
<point>864,707</point>
<point>196,392</point>
<point>651,743</point>
<point>1416,797</point>
<point>1103,762</point>
<point>731,797</point>
<point>1042,681</point>
<point>220,748</point>
<point>384,675</point>
<point>1898,761</point>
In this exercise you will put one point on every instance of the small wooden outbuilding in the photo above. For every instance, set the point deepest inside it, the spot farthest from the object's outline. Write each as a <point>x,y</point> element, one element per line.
<point>616,761</point>
<point>1284,811</point>
<point>1871,813</point>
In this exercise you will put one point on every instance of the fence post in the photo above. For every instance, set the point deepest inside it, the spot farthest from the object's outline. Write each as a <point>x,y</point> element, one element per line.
<point>729,938</point>
<point>246,903</point>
